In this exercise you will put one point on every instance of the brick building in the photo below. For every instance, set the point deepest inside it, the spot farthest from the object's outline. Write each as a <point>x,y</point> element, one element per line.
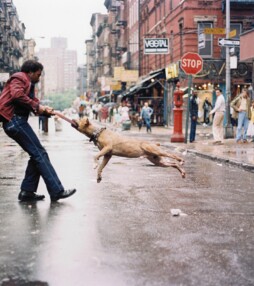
<point>181,26</point>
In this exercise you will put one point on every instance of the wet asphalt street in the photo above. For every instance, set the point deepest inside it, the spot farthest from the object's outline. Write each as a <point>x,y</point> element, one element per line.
<point>122,232</point>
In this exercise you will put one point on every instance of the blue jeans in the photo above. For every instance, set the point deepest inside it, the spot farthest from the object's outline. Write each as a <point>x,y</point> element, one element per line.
<point>243,121</point>
<point>148,123</point>
<point>39,164</point>
<point>193,128</point>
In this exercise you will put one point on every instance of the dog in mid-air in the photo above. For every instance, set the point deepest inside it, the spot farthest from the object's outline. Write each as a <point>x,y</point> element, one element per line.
<point>112,143</point>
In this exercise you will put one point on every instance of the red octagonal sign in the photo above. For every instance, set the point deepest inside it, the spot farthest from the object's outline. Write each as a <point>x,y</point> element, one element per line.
<point>191,63</point>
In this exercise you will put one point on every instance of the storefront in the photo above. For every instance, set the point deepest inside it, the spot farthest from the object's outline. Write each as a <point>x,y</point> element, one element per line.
<point>151,90</point>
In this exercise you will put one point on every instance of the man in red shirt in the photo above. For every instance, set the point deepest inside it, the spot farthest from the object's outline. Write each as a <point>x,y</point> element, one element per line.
<point>17,100</point>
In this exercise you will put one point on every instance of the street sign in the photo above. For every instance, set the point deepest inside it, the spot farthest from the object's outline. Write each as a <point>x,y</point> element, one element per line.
<point>232,33</point>
<point>228,43</point>
<point>216,31</point>
<point>191,63</point>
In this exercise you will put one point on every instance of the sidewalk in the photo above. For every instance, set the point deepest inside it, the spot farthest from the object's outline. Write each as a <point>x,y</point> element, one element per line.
<point>241,155</point>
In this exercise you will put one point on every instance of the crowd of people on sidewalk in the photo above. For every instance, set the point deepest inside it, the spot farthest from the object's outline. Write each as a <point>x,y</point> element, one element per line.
<point>242,117</point>
<point>117,114</point>
<point>241,113</point>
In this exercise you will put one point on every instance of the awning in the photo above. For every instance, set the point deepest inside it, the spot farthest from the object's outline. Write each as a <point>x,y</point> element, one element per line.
<point>146,82</point>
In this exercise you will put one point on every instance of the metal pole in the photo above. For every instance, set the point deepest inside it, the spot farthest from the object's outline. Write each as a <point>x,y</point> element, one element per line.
<point>139,38</point>
<point>188,108</point>
<point>228,126</point>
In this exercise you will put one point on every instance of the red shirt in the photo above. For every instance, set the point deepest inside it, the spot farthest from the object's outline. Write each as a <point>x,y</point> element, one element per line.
<point>16,90</point>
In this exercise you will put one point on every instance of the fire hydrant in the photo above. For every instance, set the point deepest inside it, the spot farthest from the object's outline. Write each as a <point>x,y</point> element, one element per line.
<point>177,136</point>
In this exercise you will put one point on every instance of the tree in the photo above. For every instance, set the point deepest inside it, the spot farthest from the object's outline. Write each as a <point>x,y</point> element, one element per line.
<point>61,101</point>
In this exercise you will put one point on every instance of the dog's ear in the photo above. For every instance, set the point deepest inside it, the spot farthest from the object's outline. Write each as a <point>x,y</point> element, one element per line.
<point>87,121</point>
<point>83,123</point>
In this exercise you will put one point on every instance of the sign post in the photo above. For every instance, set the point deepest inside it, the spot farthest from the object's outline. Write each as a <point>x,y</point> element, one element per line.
<point>228,132</point>
<point>191,64</point>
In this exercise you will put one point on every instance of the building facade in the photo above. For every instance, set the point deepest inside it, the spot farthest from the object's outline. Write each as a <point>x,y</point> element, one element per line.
<point>11,40</point>
<point>182,26</point>
<point>60,66</point>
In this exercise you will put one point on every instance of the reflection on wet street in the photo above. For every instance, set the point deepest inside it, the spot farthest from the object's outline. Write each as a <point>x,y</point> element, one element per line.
<point>121,231</point>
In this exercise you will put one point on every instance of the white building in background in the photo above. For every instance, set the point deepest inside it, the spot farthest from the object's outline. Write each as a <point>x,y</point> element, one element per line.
<point>60,66</point>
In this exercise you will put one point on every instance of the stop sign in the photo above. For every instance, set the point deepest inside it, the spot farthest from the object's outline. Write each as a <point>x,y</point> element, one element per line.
<point>191,63</point>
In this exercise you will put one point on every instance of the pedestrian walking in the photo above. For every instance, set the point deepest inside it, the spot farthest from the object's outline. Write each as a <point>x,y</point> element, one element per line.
<point>250,130</point>
<point>218,111</point>
<point>81,110</point>
<point>193,116</point>
<point>16,102</point>
<point>146,113</point>
<point>95,110</point>
<point>241,105</point>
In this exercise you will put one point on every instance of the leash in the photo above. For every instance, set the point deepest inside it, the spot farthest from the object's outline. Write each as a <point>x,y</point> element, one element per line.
<point>95,135</point>
<point>63,117</point>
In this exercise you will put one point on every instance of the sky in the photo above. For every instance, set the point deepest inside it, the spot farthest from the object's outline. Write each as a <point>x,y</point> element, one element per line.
<point>45,19</point>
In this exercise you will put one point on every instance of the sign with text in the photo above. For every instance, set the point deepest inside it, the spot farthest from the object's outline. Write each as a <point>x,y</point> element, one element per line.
<point>228,42</point>
<point>156,46</point>
<point>215,31</point>
<point>118,73</point>
<point>232,33</point>
<point>129,76</point>
<point>191,63</point>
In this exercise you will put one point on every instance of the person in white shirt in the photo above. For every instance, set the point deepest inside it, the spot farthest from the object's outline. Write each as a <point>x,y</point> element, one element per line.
<point>218,110</point>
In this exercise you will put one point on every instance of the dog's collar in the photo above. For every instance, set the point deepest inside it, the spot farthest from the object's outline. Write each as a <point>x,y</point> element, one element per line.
<point>96,134</point>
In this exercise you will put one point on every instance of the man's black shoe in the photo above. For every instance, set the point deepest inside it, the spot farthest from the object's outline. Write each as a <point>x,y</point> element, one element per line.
<point>30,196</point>
<point>63,195</point>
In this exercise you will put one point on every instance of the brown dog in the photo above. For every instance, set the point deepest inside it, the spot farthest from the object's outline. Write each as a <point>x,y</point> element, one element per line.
<point>111,143</point>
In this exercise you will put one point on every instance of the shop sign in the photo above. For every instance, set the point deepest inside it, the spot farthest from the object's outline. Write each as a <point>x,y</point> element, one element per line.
<point>156,46</point>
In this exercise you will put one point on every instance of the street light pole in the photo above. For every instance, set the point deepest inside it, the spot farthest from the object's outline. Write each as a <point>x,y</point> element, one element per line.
<point>228,126</point>
<point>139,38</point>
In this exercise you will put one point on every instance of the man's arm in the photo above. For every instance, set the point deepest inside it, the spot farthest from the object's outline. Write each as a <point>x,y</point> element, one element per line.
<point>18,92</point>
<point>217,105</point>
<point>233,104</point>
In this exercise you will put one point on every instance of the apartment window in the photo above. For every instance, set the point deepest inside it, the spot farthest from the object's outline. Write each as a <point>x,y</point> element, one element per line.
<point>205,41</point>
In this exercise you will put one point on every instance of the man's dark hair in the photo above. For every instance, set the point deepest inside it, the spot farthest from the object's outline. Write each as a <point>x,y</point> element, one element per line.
<point>218,90</point>
<point>31,66</point>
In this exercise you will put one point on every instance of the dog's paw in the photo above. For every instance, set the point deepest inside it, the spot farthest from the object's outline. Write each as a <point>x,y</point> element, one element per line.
<point>183,175</point>
<point>181,162</point>
<point>99,179</point>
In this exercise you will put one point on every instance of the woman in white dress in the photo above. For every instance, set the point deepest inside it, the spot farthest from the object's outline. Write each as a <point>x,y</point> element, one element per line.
<point>125,113</point>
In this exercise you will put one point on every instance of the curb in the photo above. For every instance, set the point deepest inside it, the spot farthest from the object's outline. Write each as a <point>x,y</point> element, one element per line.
<point>247,167</point>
